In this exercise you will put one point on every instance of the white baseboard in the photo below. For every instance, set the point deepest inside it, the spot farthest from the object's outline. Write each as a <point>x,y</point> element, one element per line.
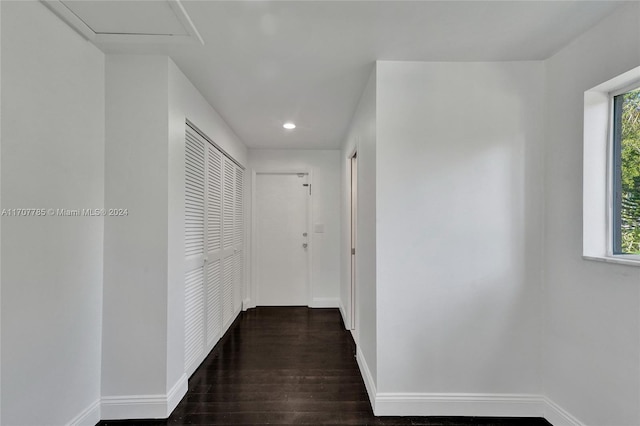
<point>454,404</point>
<point>347,326</point>
<point>134,407</point>
<point>325,302</point>
<point>246,304</point>
<point>90,416</point>
<point>143,406</point>
<point>231,320</point>
<point>458,404</point>
<point>369,383</point>
<point>558,416</point>
<point>176,393</point>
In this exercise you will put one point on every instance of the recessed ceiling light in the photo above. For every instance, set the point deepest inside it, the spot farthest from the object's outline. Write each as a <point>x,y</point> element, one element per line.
<point>289,126</point>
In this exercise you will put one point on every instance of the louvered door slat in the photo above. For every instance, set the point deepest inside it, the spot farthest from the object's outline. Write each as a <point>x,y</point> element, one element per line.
<point>227,204</point>
<point>214,304</point>
<point>194,330</point>
<point>194,197</point>
<point>214,199</point>
<point>227,291</point>
<point>214,244</point>
<point>239,220</point>
<point>238,269</point>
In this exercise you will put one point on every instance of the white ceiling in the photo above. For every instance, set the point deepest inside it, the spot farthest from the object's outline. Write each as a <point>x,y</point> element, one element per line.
<point>267,62</point>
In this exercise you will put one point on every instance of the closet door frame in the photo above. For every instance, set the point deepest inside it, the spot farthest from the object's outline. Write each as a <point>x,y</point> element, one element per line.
<point>253,284</point>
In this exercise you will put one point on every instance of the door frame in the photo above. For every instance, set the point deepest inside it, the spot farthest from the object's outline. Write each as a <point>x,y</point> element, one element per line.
<point>253,282</point>
<point>353,239</point>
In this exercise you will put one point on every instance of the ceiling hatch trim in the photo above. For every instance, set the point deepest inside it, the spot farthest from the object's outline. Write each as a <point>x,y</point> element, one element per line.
<point>77,23</point>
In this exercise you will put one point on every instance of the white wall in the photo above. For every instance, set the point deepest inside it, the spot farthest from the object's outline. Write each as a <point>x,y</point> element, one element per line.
<point>52,157</point>
<point>362,137</point>
<point>592,325</point>
<point>135,278</point>
<point>185,102</point>
<point>459,227</point>
<point>148,101</point>
<point>325,167</point>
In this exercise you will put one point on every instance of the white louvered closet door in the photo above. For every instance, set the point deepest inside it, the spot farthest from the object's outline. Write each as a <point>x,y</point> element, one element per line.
<point>214,246</point>
<point>228,236</point>
<point>194,250</point>
<point>238,229</point>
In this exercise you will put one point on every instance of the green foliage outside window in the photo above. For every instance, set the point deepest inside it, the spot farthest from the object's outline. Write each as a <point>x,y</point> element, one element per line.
<point>630,168</point>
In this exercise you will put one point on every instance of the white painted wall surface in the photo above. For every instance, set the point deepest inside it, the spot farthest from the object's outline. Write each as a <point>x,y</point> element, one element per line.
<point>325,167</point>
<point>148,101</point>
<point>135,278</point>
<point>362,135</point>
<point>185,102</point>
<point>592,320</point>
<point>459,227</point>
<point>52,157</point>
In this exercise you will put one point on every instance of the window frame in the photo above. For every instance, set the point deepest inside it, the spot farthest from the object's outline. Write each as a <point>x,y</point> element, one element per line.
<point>597,169</point>
<point>614,181</point>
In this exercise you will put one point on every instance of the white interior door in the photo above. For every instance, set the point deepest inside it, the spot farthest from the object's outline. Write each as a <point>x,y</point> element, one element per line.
<point>282,202</point>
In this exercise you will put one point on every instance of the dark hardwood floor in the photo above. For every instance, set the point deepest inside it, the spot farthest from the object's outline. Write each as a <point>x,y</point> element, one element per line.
<point>290,365</point>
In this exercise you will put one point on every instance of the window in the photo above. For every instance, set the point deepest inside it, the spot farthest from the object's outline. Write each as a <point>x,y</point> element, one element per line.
<point>626,173</point>
<point>611,171</point>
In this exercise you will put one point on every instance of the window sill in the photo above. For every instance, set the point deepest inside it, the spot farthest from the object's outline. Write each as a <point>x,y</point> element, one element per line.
<point>620,260</point>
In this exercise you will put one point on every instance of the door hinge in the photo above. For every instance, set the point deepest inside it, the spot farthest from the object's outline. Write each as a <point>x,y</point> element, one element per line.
<point>353,251</point>
<point>309,185</point>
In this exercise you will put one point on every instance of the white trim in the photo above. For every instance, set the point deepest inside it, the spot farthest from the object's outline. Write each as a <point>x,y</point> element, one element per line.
<point>76,23</point>
<point>69,18</point>
<point>369,383</point>
<point>634,85</point>
<point>185,20</point>
<point>325,302</point>
<point>620,260</point>
<point>459,404</point>
<point>134,407</point>
<point>225,328</point>
<point>558,416</point>
<point>176,393</point>
<point>88,417</point>
<point>246,304</point>
<point>310,233</point>
<point>253,243</point>
<point>353,235</point>
<point>597,183</point>
<point>463,404</point>
<point>144,406</point>
<point>344,315</point>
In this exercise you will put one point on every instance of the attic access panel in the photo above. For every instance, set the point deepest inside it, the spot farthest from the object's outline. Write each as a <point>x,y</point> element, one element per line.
<point>161,21</point>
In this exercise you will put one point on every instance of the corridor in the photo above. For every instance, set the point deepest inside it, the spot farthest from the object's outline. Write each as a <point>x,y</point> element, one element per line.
<point>288,365</point>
